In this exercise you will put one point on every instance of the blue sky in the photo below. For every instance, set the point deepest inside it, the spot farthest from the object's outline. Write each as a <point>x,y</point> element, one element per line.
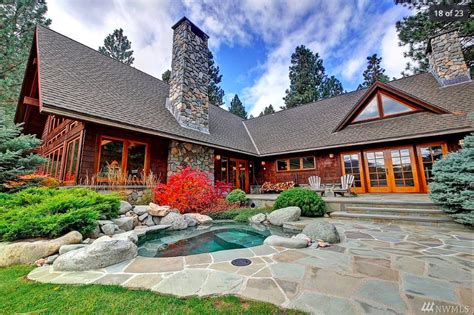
<point>252,40</point>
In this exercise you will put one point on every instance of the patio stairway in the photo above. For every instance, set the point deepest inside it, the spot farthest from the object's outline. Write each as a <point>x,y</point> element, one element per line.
<point>404,212</point>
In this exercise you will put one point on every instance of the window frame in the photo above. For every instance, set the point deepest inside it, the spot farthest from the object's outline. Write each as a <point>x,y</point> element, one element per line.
<point>382,115</point>
<point>126,142</point>
<point>287,161</point>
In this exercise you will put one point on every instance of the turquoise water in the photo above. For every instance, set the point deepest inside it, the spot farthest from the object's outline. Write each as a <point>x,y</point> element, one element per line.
<point>205,239</point>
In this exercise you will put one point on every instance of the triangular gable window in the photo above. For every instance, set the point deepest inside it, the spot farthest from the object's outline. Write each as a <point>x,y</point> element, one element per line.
<point>381,106</point>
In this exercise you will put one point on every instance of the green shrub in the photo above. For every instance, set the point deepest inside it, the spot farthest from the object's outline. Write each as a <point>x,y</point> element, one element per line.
<point>237,195</point>
<point>239,215</point>
<point>310,203</point>
<point>50,212</point>
<point>452,186</point>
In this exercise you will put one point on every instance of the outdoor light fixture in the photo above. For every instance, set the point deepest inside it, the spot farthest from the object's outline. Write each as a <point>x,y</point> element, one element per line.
<point>461,142</point>
<point>331,155</point>
<point>263,163</point>
<point>218,157</point>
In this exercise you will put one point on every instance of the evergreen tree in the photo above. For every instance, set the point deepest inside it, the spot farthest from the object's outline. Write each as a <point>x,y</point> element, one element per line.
<point>306,75</point>
<point>267,110</point>
<point>374,72</point>
<point>18,20</point>
<point>331,87</point>
<point>237,108</point>
<point>166,76</point>
<point>452,184</point>
<point>216,93</point>
<point>117,46</point>
<point>16,157</point>
<point>415,30</point>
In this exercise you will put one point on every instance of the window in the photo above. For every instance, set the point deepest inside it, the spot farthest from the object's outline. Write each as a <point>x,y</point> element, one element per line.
<point>428,155</point>
<point>351,163</point>
<point>296,164</point>
<point>72,161</point>
<point>121,157</point>
<point>381,106</point>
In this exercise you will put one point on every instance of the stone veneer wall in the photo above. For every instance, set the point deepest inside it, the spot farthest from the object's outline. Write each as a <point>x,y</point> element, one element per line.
<point>447,60</point>
<point>188,98</point>
<point>187,154</point>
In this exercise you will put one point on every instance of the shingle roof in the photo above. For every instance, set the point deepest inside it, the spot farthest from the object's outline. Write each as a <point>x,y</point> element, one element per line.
<point>80,82</point>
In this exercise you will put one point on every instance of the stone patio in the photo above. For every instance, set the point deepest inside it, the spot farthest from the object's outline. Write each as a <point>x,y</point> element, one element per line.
<point>377,268</point>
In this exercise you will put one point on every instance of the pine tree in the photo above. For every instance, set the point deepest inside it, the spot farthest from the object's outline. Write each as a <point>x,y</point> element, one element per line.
<point>117,46</point>
<point>216,93</point>
<point>452,184</point>
<point>166,76</point>
<point>237,108</point>
<point>416,29</point>
<point>306,75</point>
<point>374,72</point>
<point>267,110</point>
<point>16,157</point>
<point>331,87</point>
<point>18,20</point>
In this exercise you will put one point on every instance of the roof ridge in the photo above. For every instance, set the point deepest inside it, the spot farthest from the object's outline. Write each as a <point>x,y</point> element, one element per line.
<point>251,138</point>
<point>96,51</point>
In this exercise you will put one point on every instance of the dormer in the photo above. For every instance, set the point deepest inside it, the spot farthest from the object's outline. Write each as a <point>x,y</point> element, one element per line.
<point>382,101</point>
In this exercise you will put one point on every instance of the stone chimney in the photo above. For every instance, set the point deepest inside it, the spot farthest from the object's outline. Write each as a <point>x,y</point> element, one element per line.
<point>446,59</point>
<point>188,99</point>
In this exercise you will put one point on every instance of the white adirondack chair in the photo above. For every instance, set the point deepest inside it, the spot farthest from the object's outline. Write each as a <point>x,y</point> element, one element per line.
<point>315,184</point>
<point>346,184</point>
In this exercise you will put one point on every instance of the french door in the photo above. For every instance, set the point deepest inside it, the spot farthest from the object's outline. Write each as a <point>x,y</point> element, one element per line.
<point>239,174</point>
<point>391,170</point>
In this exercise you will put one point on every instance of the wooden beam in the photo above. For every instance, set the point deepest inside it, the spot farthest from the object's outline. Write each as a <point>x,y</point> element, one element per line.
<point>30,101</point>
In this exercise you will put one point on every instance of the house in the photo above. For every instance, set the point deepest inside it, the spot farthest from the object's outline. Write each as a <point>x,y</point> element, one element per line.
<point>96,115</point>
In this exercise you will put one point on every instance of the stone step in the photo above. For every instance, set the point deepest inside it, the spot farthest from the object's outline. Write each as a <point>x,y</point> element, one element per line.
<point>396,211</point>
<point>394,204</point>
<point>408,219</point>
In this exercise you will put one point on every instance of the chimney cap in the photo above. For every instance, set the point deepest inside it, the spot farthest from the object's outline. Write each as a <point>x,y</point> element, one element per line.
<point>428,46</point>
<point>194,28</point>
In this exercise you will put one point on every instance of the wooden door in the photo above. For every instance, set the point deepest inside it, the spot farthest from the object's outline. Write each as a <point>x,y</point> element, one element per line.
<point>351,163</point>
<point>240,174</point>
<point>391,170</point>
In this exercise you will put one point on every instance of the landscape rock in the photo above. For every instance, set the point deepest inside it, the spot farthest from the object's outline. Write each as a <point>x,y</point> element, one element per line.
<point>69,247</point>
<point>104,222</point>
<point>102,239</point>
<point>275,240</point>
<point>109,228</point>
<point>200,218</point>
<point>302,237</point>
<point>124,223</point>
<point>140,210</point>
<point>156,220</point>
<point>95,233</point>
<point>190,220</point>
<point>50,259</point>
<point>258,218</point>
<point>29,252</point>
<point>124,207</point>
<point>143,217</point>
<point>175,220</point>
<point>96,256</point>
<point>321,230</point>
<point>288,214</point>
<point>158,211</point>
<point>149,221</point>
<point>127,236</point>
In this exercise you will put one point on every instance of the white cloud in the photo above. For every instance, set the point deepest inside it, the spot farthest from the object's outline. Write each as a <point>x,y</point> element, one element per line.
<point>392,54</point>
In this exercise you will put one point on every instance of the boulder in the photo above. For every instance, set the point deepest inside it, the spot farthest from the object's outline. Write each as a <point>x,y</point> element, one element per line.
<point>302,237</point>
<point>200,218</point>
<point>104,222</point>
<point>158,211</point>
<point>124,207</point>
<point>29,252</point>
<point>149,221</point>
<point>109,228</point>
<point>124,223</point>
<point>175,220</point>
<point>321,230</point>
<point>96,256</point>
<point>102,239</point>
<point>258,218</point>
<point>275,240</point>
<point>127,236</point>
<point>289,214</point>
<point>143,217</point>
<point>140,210</point>
<point>69,247</point>
<point>95,233</point>
<point>50,259</point>
<point>190,220</point>
<point>156,220</point>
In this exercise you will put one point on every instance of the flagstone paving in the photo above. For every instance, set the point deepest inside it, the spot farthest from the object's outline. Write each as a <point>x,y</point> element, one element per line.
<point>377,268</point>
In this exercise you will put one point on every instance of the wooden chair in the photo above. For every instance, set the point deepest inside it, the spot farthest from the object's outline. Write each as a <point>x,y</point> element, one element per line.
<point>346,184</point>
<point>315,185</point>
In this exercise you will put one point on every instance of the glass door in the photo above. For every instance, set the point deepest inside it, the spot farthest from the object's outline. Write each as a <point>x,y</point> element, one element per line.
<point>352,164</point>
<point>239,174</point>
<point>377,171</point>
<point>428,154</point>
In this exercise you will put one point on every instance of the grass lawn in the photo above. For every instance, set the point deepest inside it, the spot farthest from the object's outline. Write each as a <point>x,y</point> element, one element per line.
<point>19,295</point>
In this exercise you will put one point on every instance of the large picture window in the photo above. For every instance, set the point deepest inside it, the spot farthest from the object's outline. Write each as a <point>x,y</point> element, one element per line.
<point>296,164</point>
<point>381,106</point>
<point>121,157</point>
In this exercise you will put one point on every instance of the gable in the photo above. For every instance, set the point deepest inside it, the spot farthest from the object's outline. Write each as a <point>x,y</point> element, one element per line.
<point>383,101</point>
